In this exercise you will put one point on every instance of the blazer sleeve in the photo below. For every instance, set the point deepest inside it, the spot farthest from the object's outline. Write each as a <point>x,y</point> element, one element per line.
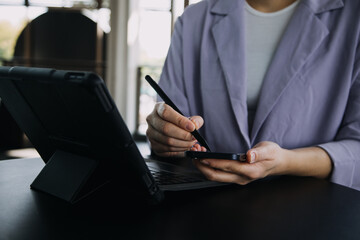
<point>172,76</point>
<point>345,150</point>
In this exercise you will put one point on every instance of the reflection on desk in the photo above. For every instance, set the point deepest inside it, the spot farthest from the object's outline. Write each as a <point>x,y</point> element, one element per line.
<point>281,208</point>
<point>19,153</point>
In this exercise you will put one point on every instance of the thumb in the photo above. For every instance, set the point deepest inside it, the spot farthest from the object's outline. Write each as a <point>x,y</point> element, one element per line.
<point>251,156</point>
<point>197,120</point>
<point>263,151</point>
<point>258,153</point>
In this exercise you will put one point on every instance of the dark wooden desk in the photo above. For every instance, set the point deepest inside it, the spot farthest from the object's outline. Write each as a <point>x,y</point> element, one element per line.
<point>281,208</point>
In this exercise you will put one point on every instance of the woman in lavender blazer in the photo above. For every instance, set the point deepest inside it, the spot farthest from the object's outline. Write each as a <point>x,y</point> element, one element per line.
<point>307,121</point>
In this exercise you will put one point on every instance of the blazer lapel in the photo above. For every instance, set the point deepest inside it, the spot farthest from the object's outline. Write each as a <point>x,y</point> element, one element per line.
<point>228,34</point>
<point>304,34</point>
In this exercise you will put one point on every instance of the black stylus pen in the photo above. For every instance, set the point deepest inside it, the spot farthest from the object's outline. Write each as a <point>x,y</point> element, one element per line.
<point>168,101</point>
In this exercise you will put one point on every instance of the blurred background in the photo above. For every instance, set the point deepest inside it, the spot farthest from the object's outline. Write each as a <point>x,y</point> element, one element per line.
<point>120,40</point>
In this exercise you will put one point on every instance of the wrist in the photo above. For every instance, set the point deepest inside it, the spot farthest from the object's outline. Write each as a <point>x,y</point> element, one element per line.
<point>285,162</point>
<point>311,161</point>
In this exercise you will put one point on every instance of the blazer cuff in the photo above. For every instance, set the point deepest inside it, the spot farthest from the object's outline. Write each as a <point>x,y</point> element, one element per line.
<point>345,156</point>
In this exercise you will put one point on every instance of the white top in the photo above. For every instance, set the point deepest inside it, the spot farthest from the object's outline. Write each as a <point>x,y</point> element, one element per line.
<point>263,33</point>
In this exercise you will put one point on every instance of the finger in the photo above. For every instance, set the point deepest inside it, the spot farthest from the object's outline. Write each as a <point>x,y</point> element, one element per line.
<point>219,175</point>
<point>251,156</point>
<point>250,171</point>
<point>170,115</point>
<point>166,146</point>
<point>196,147</point>
<point>224,165</point>
<point>161,148</point>
<point>203,149</point>
<point>197,120</point>
<point>171,154</point>
<point>157,136</point>
<point>166,128</point>
<point>261,151</point>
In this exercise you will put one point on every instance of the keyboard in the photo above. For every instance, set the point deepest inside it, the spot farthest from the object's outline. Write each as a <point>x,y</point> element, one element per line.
<point>169,178</point>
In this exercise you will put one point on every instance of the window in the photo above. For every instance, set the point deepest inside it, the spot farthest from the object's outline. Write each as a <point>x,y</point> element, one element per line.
<point>16,14</point>
<point>13,19</point>
<point>21,45</point>
<point>156,21</point>
<point>157,18</point>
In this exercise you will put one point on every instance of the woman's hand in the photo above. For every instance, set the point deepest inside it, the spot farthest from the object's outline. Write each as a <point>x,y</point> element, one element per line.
<point>169,132</point>
<point>265,159</point>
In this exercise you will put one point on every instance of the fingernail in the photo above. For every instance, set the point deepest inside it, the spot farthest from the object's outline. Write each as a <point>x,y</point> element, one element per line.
<point>196,123</point>
<point>252,157</point>
<point>204,162</point>
<point>161,109</point>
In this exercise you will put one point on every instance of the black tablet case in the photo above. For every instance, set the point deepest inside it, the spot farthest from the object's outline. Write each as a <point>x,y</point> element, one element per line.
<point>75,126</point>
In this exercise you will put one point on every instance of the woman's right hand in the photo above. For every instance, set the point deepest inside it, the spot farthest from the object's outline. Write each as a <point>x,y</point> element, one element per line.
<point>169,132</point>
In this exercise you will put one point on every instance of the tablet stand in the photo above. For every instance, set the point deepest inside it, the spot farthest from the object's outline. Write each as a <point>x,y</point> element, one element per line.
<point>69,177</point>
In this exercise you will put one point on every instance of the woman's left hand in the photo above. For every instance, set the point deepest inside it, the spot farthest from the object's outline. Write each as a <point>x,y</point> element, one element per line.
<point>264,159</point>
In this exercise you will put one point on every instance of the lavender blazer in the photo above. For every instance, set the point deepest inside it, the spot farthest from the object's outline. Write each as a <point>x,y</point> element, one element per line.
<point>311,92</point>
